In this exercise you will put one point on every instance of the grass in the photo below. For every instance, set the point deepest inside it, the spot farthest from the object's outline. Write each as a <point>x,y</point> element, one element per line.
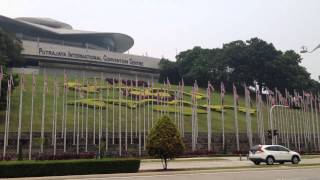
<point>109,97</point>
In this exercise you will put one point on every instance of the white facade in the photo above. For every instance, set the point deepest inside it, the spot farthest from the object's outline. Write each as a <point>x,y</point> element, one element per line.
<point>41,49</point>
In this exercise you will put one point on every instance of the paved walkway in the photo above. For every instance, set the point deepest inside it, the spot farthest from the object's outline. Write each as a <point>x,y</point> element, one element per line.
<point>209,162</point>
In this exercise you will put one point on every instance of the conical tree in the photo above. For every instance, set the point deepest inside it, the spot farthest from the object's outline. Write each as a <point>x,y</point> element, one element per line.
<point>164,141</point>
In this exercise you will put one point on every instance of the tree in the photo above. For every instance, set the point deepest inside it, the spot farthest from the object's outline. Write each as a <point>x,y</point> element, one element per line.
<point>168,69</point>
<point>10,55</point>
<point>10,50</point>
<point>243,62</point>
<point>164,141</point>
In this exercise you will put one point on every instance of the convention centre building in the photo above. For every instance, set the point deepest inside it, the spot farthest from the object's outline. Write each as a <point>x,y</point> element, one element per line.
<point>55,46</point>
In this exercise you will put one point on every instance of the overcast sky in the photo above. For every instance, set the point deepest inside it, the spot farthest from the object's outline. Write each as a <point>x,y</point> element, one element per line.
<point>164,27</point>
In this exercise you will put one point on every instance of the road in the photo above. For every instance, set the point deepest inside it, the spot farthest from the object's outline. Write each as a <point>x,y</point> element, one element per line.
<point>209,163</point>
<point>310,173</point>
<point>213,168</point>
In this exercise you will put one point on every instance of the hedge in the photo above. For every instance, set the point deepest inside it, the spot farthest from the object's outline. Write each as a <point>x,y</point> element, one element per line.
<point>66,167</point>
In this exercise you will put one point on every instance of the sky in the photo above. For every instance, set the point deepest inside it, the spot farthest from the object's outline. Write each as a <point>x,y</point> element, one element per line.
<point>163,28</point>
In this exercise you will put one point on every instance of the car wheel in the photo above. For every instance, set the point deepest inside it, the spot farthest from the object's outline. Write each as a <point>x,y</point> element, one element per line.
<point>270,160</point>
<point>295,160</point>
<point>256,162</point>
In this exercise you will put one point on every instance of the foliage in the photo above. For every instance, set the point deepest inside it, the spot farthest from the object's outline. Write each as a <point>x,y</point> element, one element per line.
<point>164,141</point>
<point>10,50</point>
<point>67,167</point>
<point>241,62</point>
<point>10,55</point>
<point>169,70</point>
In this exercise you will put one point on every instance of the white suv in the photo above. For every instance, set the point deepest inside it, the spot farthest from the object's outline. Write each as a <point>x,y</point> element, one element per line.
<point>273,153</point>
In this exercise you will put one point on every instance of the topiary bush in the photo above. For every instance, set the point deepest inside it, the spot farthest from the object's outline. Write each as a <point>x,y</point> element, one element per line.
<point>164,141</point>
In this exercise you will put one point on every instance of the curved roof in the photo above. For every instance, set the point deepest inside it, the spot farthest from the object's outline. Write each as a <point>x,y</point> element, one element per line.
<point>46,27</point>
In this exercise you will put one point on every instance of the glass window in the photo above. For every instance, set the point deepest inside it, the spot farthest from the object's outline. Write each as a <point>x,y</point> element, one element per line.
<point>280,148</point>
<point>271,148</point>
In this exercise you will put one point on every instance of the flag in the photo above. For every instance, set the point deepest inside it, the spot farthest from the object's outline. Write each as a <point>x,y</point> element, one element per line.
<point>210,89</point>
<point>168,83</point>
<point>235,94</point>
<point>11,80</point>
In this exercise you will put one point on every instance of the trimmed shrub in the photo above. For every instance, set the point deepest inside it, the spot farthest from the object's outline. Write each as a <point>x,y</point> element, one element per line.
<point>164,141</point>
<point>67,167</point>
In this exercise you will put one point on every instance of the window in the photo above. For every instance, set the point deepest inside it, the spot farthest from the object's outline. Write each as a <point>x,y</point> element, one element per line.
<point>271,148</point>
<point>280,148</point>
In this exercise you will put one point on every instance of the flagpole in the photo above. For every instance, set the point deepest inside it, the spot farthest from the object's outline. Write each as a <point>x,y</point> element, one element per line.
<point>313,123</point>
<point>107,117</point>
<point>317,110</point>
<point>87,111</point>
<point>20,112</point>
<point>182,107</point>
<point>144,119</point>
<point>7,121</point>
<point>100,113</point>
<point>113,109</point>
<point>63,104</point>
<point>131,113</point>
<point>78,121</point>
<point>209,116</point>
<point>55,118</point>
<point>119,85</point>
<point>1,77</point>
<point>66,114</point>
<point>45,88</point>
<point>235,110</point>
<point>82,105</point>
<point>31,115</point>
<point>74,114</point>
<point>126,106</point>
<point>222,115</point>
<point>137,108</point>
<point>148,107</point>
<point>248,118</point>
<point>94,112</point>
<point>196,112</point>
<point>53,110</point>
<point>139,124</point>
<point>152,83</point>
<point>6,125</point>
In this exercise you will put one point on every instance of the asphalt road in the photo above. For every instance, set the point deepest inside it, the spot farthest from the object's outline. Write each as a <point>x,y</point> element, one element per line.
<point>280,173</point>
<point>207,162</point>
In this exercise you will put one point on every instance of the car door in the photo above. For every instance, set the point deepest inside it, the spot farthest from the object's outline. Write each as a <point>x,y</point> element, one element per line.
<point>284,154</point>
<point>273,151</point>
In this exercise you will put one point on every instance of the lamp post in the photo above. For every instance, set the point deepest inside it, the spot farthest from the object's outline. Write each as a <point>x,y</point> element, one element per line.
<point>304,49</point>
<point>271,121</point>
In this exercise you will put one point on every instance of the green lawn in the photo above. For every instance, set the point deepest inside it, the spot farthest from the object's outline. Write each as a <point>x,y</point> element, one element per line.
<point>216,116</point>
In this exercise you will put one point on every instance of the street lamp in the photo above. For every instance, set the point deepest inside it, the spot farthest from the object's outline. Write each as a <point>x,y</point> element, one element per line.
<point>304,49</point>
<point>271,121</point>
